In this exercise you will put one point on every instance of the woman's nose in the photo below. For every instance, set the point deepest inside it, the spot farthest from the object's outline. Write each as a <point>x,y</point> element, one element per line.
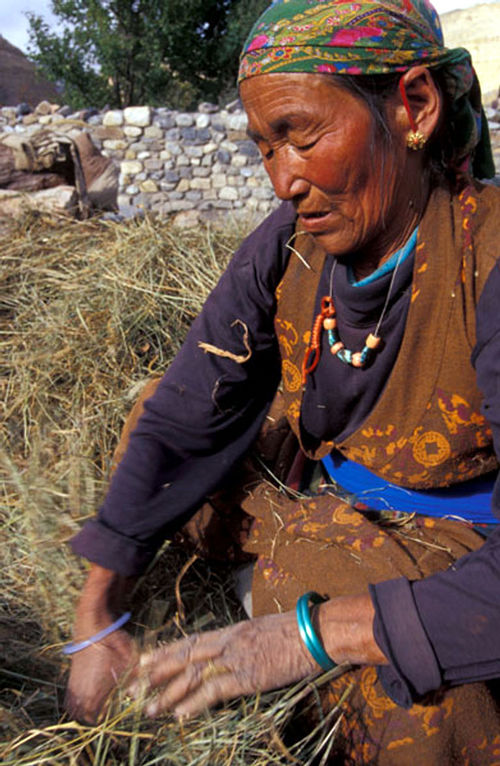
<point>287,177</point>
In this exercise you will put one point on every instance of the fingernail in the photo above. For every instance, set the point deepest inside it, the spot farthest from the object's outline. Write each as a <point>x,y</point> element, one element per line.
<point>152,709</point>
<point>133,690</point>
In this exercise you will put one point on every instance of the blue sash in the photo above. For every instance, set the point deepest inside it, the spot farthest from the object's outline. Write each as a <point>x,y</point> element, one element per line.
<point>469,500</point>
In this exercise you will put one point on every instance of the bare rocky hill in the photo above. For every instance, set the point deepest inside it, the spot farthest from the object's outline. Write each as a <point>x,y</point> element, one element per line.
<point>19,80</point>
<point>477,29</point>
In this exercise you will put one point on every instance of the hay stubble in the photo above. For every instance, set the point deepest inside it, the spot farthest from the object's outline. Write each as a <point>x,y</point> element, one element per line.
<point>88,312</point>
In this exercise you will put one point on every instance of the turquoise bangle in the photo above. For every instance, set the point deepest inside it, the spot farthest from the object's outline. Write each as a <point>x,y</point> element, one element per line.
<point>307,632</point>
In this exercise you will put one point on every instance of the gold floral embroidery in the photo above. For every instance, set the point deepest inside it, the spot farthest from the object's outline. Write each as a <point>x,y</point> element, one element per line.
<point>363,752</point>
<point>272,573</point>
<point>343,514</point>
<point>287,335</point>
<point>418,480</point>
<point>432,715</point>
<point>469,202</point>
<point>379,703</point>
<point>457,412</point>
<point>293,410</point>
<point>291,376</point>
<point>380,432</point>
<point>431,448</point>
<point>394,447</point>
<point>278,291</point>
<point>400,743</point>
<point>365,455</point>
<point>483,438</point>
<point>361,545</point>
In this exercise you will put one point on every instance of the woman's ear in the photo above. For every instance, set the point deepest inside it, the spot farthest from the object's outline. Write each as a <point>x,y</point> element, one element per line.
<point>422,107</point>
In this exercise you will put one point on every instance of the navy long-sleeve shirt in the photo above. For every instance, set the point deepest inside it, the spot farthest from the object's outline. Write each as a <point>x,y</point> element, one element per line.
<point>208,410</point>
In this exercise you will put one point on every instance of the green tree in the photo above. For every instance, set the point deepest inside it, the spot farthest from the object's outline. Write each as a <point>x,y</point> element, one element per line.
<point>126,52</point>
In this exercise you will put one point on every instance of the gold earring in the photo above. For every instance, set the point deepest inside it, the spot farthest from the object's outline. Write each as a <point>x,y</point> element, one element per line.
<point>415,140</point>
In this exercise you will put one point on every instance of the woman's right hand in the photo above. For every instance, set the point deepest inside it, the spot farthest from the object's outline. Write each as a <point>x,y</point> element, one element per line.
<point>96,670</point>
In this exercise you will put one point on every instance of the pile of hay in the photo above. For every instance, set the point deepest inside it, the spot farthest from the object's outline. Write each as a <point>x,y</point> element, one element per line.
<point>88,312</point>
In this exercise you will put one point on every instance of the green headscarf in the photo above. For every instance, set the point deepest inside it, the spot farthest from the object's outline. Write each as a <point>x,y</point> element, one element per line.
<point>370,37</point>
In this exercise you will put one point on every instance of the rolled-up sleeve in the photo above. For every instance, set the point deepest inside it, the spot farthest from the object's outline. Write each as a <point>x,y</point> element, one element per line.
<point>442,629</point>
<point>413,670</point>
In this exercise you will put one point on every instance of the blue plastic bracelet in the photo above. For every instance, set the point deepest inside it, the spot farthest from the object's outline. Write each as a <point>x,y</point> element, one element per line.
<point>73,648</point>
<point>307,632</point>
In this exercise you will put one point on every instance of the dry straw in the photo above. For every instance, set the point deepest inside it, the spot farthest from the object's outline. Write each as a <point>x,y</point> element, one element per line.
<point>88,312</point>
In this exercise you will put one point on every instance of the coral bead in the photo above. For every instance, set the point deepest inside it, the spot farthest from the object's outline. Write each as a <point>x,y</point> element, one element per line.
<point>337,347</point>
<point>329,323</point>
<point>356,359</point>
<point>372,341</point>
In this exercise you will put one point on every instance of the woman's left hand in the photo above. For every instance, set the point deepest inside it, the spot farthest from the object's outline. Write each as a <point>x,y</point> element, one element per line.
<point>205,668</point>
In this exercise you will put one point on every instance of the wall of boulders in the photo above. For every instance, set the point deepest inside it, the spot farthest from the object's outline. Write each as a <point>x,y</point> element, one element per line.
<point>196,164</point>
<point>492,114</point>
<point>169,161</point>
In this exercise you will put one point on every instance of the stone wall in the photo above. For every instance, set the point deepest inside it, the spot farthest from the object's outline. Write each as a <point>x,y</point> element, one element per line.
<point>192,165</point>
<point>169,161</point>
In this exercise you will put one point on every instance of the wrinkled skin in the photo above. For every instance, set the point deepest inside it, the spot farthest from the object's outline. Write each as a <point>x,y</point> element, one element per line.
<point>358,198</point>
<point>256,655</point>
<point>260,654</point>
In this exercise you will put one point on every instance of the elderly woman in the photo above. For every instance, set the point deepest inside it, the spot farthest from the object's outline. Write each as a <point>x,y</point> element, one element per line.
<point>365,293</point>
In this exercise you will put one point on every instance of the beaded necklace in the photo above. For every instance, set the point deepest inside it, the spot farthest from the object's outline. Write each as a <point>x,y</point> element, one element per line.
<point>327,320</point>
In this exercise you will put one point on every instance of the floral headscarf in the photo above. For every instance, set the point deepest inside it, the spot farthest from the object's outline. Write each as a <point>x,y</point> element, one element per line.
<point>371,37</point>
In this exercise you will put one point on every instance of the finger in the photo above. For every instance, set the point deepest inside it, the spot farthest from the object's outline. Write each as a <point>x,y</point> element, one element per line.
<point>195,648</point>
<point>83,710</point>
<point>74,709</point>
<point>217,689</point>
<point>160,666</point>
<point>178,688</point>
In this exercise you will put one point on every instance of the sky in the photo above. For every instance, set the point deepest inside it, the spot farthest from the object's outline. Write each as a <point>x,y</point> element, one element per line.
<point>14,24</point>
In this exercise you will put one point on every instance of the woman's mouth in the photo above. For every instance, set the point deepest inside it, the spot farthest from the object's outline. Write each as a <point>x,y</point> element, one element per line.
<point>315,220</point>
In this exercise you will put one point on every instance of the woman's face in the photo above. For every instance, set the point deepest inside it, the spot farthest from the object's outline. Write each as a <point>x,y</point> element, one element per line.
<point>321,152</point>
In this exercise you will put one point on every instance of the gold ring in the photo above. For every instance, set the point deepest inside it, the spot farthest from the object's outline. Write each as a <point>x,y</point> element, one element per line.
<point>211,669</point>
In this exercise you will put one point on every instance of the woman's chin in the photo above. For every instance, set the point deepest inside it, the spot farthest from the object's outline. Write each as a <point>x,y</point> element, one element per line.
<point>333,243</point>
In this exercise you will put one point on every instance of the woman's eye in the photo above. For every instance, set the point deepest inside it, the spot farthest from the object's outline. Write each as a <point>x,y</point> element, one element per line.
<point>305,147</point>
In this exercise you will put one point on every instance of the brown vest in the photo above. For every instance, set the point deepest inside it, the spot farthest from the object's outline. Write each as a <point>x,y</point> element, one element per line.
<point>426,429</point>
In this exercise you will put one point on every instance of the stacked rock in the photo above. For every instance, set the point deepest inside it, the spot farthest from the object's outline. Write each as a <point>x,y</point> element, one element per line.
<point>195,163</point>
<point>169,161</point>
<point>493,116</point>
